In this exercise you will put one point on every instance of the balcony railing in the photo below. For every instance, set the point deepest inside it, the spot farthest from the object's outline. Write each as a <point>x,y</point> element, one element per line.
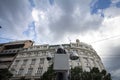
<point>37,74</point>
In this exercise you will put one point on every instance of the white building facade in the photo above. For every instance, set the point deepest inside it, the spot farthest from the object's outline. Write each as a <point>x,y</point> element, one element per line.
<point>31,62</point>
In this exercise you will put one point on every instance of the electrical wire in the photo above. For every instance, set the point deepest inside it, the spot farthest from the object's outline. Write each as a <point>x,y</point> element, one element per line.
<point>106,39</point>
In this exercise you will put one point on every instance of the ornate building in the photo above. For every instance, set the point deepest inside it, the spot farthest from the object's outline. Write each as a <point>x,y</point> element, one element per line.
<point>31,62</point>
<point>9,50</point>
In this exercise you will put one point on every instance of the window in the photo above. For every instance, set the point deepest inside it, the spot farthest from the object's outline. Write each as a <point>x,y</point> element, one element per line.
<point>24,62</point>
<point>81,46</point>
<point>22,54</point>
<point>29,53</point>
<point>5,51</point>
<point>85,61</point>
<point>89,53</point>
<point>37,46</point>
<point>44,53</point>
<point>81,53</point>
<point>20,71</point>
<point>16,62</point>
<point>86,47</point>
<point>39,71</point>
<point>30,70</point>
<point>92,62</point>
<point>39,53</point>
<point>36,53</point>
<point>87,68</point>
<point>14,50</point>
<point>12,70</point>
<point>10,51</point>
<point>79,60</point>
<point>41,60</point>
<point>33,61</point>
<point>25,49</point>
<point>31,47</point>
<point>78,64</point>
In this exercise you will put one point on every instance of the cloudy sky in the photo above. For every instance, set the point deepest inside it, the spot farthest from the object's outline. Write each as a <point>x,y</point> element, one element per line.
<point>95,22</point>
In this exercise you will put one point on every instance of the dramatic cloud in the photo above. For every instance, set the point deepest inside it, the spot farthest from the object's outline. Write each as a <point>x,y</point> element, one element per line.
<point>30,31</point>
<point>60,21</point>
<point>15,16</point>
<point>65,17</point>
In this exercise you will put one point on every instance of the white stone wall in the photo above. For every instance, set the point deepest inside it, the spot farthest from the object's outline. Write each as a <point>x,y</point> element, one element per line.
<point>29,55</point>
<point>88,57</point>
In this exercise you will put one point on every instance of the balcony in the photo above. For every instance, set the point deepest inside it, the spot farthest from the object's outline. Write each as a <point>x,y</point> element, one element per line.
<point>28,74</point>
<point>23,66</point>
<point>3,66</point>
<point>10,51</point>
<point>32,66</point>
<point>38,74</point>
<point>6,59</point>
<point>17,75</point>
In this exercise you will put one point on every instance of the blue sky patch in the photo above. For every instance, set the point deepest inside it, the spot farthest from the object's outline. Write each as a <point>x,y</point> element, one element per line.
<point>51,2</point>
<point>99,4</point>
<point>30,31</point>
<point>32,3</point>
<point>4,40</point>
<point>118,4</point>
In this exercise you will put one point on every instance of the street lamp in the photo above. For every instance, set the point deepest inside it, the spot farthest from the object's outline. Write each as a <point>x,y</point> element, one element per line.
<point>61,62</point>
<point>49,56</point>
<point>74,55</point>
